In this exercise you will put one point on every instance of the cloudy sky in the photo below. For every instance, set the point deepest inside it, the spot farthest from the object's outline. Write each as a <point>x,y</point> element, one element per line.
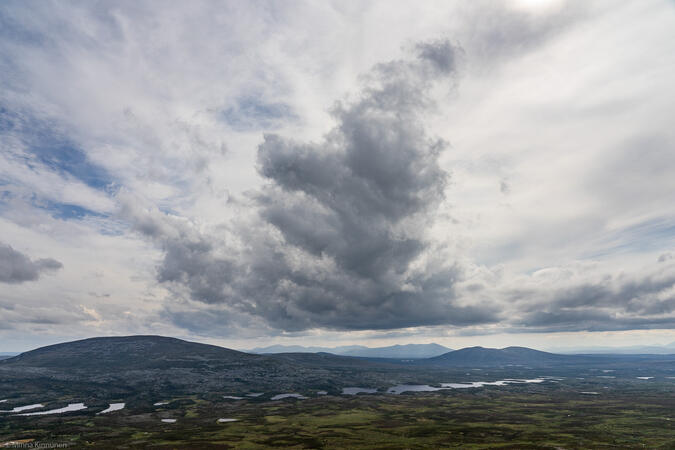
<point>315,172</point>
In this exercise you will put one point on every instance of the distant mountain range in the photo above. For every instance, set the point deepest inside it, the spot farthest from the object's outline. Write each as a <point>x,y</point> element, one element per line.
<point>408,351</point>
<point>150,367</point>
<point>7,355</point>
<point>631,350</point>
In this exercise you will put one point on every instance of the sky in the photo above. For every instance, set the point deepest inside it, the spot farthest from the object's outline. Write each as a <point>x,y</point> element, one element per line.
<point>338,172</point>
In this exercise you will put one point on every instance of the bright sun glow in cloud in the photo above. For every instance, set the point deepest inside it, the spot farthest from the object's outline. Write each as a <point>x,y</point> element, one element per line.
<point>537,5</point>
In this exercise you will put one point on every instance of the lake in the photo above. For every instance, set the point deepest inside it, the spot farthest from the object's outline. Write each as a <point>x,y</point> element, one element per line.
<point>24,408</point>
<point>357,390</point>
<point>401,388</point>
<point>113,407</point>
<point>283,396</point>
<point>65,409</point>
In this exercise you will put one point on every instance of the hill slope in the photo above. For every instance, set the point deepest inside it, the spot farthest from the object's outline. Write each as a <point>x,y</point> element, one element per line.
<point>131,352</point>
<point>140,365</point>
<point>492,357</point>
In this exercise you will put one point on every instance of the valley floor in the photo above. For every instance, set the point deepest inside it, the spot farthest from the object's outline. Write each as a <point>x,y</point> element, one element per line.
<point>625,414</point>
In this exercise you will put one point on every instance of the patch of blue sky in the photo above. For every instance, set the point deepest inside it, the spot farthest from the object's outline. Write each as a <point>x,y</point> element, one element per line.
<point>61,211</point>
<point>104,224</point>
<point>23,24</point>
<point>12,28</point>
<point>252,113</point>
<point>65,211</point>
<point>45,144</point>
<point>5,195</point>
<point>108,227</point>
<point>648,236</point>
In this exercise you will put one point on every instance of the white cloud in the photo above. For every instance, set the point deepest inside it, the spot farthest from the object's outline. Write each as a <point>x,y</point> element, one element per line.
<point>566,104</point>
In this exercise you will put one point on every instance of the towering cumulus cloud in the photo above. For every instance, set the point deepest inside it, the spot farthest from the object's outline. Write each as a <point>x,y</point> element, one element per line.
<point>338,239</point>
<point>15,267</point>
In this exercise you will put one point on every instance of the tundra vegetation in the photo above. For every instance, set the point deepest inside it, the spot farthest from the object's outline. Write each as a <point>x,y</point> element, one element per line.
<point>185,395</point>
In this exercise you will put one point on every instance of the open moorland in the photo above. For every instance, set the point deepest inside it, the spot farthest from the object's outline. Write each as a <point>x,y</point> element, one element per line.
<point>151,392</point>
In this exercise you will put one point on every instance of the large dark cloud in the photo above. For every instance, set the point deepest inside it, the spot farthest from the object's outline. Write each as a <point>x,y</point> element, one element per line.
<point>339,235</point>
<point>608,303</point>
<point>15,267</point>
<point>337,238</point>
